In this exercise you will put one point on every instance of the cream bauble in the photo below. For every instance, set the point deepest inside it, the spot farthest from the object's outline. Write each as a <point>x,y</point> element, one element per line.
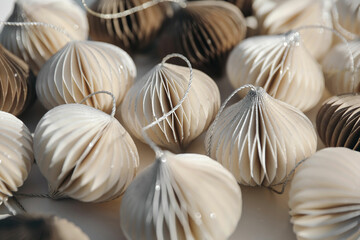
<point>281,65</point>
<point>36,44</point>
<point>16,154</point>
<point>160,90</point>
<point>84,153</point>
<point>324,201</point>
<point>185,196</point>
<point>260,139</point>
<point>84,67</point>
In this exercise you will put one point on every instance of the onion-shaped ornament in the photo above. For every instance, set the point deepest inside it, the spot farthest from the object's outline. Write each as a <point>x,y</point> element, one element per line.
<point>281,65</point>
<point>244,5</point>
<point>16,83</point>
<point>84,153</point>
<point>29,227</point>
<point>84,67</point>
<point>260,139</point>
<point>338,122</point>
<point>159,91</point>
<point>36,44</point>
<point>184,196</point>
<point>324,200</point>
<point>204,32</point>
<point>280,16</point>
<point>16,154</point>
<point>346,18</point>
<point>132,32</point>
<point>341,71</point>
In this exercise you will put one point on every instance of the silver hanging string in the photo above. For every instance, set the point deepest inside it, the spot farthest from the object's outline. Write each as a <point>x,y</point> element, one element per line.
<point>336,22</point>
<point>208,150</point>
<point>130,11</point>
<point>287,179</point>
<point>343,39</point>
<point>113,110</point>
<point>158,152</point>
<point>37,24</point>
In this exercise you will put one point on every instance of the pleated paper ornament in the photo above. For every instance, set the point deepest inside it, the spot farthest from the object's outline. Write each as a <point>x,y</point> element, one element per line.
<point>260,139</point>
<point>324,200</point>
<point>36,44</point>
<point>31,227</point>
<point>184,196</point>
<point>338,121</point>
<point>280,16</point>
<point>84,153</point>
<point>341,71</point>
<point>158,92</point>
<point>204,32</point>
<point>244,5</point>
<point>16,83</point>
<point>132,32</point>
<point>16,154</point>
<point>84,67</point>
<point>281,65</point>
<point>346,18</point>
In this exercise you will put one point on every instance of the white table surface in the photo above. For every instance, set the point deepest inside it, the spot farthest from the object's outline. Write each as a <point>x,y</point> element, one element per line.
<point>265,214</point>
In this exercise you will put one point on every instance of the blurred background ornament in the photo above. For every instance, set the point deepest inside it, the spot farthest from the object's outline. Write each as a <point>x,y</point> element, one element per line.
<point>36,43</point>
<point>131,32</point>
<point>346,18</point>
<point>204,32</point>
<point>338,121</point>
<point>17,83</point>
<point>16,154</point>
<point>323,203</point>
<point>280,16</point>
<point>31,227</point>
<point>341,67</point>
<point>84,67</point>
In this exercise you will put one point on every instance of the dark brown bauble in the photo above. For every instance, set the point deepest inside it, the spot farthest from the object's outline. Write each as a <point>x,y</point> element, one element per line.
<point>16,83</point>
<point>338,121</point>
<point>244,5</point>
<point>204,32</point>
<point>133,32</point>
<point>36,227</point>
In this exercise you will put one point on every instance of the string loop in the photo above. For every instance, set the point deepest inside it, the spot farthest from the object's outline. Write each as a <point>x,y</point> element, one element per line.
<point>113,111</point>
<point>343,39</point>
<point>212,127</point>
<point>158,152</point>
<point>130,11</point>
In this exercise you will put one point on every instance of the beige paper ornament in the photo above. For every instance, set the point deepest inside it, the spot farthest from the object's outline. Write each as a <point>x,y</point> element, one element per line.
<point>130,33</point>
<point>184,196</point>
<point>26,226</point>
<point>281,65</point>
<point>158,92</point>
<point>204,32</point>
<point>341,70</point>
<point>324,200</point>
<point>338,121</point>
<point>280,16</point>
<point>16,154</point>
<point>16,83</point>
<point>36,44</point>
<point>260,139</point>
<point>84,67</point>
<point>346,18</point>
<point>84,153</point>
